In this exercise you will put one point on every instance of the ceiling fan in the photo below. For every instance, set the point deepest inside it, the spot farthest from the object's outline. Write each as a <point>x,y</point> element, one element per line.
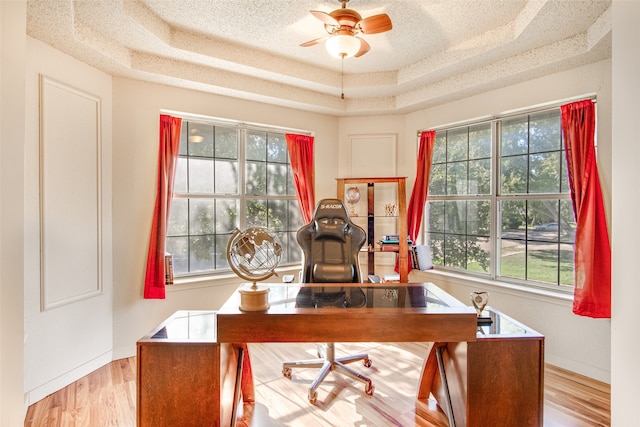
<point>343,26</point>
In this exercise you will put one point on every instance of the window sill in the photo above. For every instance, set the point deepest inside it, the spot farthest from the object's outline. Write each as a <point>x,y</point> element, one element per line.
<point>563,297</point>
<point>196,282</point>
<point>222,279</point>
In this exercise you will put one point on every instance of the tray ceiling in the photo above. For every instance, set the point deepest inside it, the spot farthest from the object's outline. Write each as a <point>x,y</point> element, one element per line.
<point>437,51</point>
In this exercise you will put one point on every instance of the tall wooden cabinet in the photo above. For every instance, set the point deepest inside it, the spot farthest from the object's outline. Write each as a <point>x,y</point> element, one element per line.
<point>379,205</point>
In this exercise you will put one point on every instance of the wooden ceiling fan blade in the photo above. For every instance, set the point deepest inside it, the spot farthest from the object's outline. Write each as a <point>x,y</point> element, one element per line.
<point>325,17</point>
<point>314,42</point>
<point>364,48</point>
<point>375,24</point>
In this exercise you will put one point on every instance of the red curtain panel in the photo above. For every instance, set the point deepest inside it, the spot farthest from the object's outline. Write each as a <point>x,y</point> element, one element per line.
<point>154,281</point>
<point>300,149</point>
<point>418,198</point>
<point>592,251</point>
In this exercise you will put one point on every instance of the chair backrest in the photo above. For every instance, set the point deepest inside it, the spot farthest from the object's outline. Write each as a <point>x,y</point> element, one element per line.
<point>330,244</point>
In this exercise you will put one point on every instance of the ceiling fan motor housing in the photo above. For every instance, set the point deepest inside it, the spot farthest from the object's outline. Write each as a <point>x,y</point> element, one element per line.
<point>347,18</point>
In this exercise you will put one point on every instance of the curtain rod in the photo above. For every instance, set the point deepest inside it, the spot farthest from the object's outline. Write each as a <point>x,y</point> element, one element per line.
<point>510,113</point>
<point>260,126</point>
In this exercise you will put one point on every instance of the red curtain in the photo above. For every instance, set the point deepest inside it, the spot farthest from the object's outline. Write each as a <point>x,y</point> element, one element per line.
<point>592,252</point>
<point>300,149</point>
<point>418,198</point>
<point>154,280</point>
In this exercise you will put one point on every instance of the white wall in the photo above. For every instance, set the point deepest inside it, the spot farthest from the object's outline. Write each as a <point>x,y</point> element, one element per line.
<point>12,102</point>
<point>67,282</point>
<point>625,322</point>
<point>137,108</point>
<point>572,342</point>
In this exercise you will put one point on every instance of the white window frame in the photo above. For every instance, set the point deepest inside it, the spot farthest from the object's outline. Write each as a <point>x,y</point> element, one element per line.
<point>292,255</point>
<point>494,199</point>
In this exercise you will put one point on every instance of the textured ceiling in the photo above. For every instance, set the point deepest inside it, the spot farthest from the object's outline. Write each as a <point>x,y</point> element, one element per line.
<point>437,51</point>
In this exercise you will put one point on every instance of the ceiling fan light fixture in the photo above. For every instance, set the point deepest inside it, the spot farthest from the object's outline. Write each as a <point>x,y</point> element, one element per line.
<point>342,45</point>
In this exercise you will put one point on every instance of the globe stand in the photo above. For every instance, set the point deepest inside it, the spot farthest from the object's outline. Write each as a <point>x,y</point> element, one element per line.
<point>254,298</point>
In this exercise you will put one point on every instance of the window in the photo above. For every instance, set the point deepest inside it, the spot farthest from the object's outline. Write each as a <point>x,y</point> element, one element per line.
<point>229,175</point>
<point>499,203</point>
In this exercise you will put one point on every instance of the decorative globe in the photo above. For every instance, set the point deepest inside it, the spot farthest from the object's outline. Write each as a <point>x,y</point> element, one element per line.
<point>352,197</point>
<point>254,253</point>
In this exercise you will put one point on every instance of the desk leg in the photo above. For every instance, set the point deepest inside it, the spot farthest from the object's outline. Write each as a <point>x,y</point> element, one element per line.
<point>428,375</point>
<point>434,382</point>
<point>246,382</point>
<point>238,388</point>
<point>445,386</point>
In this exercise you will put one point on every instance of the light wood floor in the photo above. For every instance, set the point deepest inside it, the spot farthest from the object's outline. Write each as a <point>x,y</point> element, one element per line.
<point>107,396</point>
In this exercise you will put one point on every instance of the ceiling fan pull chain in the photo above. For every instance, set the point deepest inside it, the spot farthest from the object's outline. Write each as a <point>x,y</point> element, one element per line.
<point>342,79</point>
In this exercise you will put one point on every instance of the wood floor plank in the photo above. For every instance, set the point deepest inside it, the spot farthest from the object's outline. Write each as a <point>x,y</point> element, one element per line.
<point>107,396</point>
<point>82,392</point>
<point>41,411</point>
<point>128,369</point>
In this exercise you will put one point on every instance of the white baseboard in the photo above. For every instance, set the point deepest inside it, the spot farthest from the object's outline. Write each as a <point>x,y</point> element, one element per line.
<point>579,368</point>
<point>124,352</point>
<point>64,380</point>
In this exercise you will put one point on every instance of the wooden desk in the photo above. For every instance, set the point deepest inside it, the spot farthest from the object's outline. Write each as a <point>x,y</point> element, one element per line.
<point>191,369</point>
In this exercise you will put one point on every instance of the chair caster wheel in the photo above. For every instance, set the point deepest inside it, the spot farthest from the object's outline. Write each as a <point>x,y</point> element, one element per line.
<point>367,362</point>
<point>286,372</point>
<point>369,389</point>
<point>313,396</point>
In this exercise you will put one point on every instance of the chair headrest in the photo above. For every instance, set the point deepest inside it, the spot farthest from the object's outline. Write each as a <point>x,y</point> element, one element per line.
<point>331,208</point>
<point>331,228</point>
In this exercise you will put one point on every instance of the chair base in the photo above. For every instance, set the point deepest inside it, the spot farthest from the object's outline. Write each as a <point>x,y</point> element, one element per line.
<point>328,362</point>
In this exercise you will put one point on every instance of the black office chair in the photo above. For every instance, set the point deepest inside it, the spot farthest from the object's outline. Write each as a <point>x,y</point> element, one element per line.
<point>331,243</point>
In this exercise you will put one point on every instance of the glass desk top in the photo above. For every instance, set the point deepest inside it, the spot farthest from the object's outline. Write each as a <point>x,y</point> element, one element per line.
<point>422,298</point>
<point>352,296</point>
<point>186,326</point>
<point>503,325</point>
